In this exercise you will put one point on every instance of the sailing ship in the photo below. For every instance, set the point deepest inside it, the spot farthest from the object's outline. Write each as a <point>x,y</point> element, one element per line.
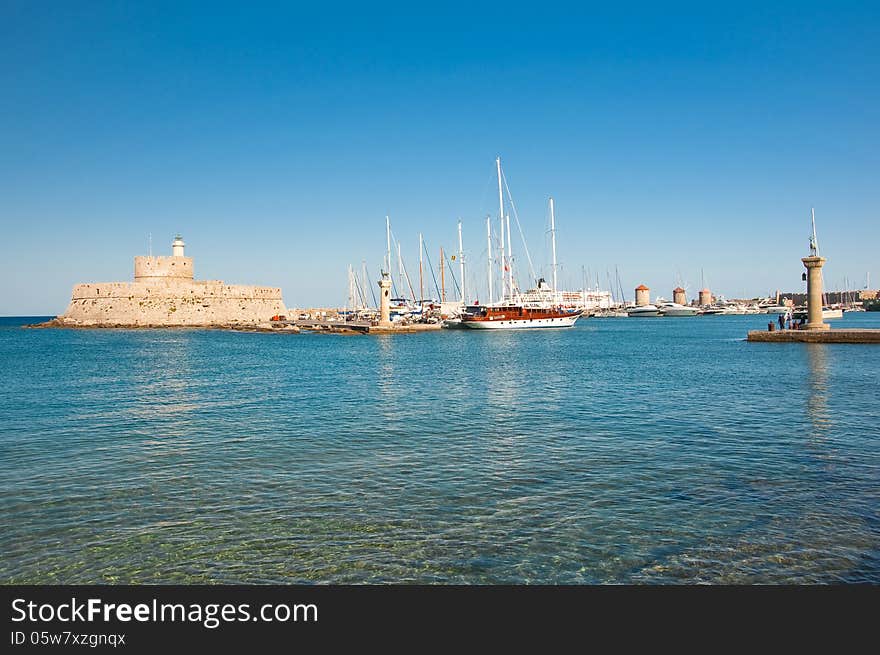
<point>539,307</point>
<point>517,316</point>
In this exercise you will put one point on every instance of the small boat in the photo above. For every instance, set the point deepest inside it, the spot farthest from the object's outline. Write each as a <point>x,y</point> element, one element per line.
<point>643,311</point>
<point>827,312</point>
<point>676,309</point>
<point>609,313</point>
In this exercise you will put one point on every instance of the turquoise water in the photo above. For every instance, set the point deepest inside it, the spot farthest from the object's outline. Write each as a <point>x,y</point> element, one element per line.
<point>621,451</point>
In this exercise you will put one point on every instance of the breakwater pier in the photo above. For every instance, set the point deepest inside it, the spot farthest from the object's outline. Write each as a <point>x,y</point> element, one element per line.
<point>816,330</point>
<point>864,335</point>
<point>357,327</point>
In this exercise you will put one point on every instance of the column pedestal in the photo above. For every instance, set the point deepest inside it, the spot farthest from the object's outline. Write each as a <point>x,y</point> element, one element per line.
<point>814,293</point>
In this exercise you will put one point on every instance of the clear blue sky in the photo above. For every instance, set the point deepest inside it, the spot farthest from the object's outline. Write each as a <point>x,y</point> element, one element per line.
<point>275,138</point>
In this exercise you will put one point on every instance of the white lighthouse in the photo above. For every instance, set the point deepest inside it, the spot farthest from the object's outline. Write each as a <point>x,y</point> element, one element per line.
<point>177,246</point>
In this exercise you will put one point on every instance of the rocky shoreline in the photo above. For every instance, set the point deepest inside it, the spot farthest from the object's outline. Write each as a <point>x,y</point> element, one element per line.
<point>59,322</point>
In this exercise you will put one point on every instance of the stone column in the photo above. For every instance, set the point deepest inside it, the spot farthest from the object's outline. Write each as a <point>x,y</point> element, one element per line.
<point>385,301</point>
<point>814,293</point>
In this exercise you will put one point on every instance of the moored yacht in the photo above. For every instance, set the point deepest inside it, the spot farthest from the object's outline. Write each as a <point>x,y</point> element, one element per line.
<point>511,317</point>
<point>827,312</point>
<point>643,311</point>
<point>676,309</point>
<point>610,313</point>
<point>770,306</point>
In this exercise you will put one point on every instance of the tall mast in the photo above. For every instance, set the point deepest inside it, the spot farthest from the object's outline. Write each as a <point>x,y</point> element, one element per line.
<point>461,265</point>
<point>489,252</point>
<point>553,241</point>
<point>400,288</point>
<point>501,260</point>
<point>584,285</point>
<point>509,259</point>
<point>442,276</point>
<point>421,268</point>
<point>364,282</point>
<point>814,242</point>
<point>388,244</point>
<point>501,218</point>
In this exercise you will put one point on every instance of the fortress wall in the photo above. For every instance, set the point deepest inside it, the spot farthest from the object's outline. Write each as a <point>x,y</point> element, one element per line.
<point>163,267</point>
<point>172,303</point>
<point>172,288</point>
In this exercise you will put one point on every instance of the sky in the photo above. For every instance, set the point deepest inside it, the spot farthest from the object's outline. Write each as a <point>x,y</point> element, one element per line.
<point>682,143</point>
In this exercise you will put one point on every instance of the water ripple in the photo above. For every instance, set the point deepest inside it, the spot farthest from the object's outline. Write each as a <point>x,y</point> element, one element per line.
<point>621,451</point>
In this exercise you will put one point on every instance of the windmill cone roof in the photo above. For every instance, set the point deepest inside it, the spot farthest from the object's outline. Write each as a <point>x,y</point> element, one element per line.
<point>678,290</point>
<point>642,287</point>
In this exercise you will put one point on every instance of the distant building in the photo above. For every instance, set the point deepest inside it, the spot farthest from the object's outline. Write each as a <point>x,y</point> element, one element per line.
<point>679,296</point>
<point>837,297</point>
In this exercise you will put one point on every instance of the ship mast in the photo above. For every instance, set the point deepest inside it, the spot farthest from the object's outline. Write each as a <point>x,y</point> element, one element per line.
<point>421,268</point>
<point>509,259</point>
<point>489,253</point>
<point>501,219</point>
<point>442,276</point>
<point>363,283</point>
<point>553,241</point>
<point>400,288</point>
<point>388,245</point>
<point>461,266</point>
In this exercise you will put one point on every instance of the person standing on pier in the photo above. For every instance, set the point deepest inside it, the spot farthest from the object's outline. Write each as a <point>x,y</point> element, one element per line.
<point>781,321</point>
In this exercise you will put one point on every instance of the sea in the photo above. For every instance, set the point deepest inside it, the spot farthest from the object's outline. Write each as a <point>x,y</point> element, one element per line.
<point>635,451</point>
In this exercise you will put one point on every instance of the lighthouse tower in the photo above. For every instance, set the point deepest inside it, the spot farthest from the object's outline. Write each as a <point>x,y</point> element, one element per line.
<point>163,268</point>
<point>385,300</point>
<point>177,247</point>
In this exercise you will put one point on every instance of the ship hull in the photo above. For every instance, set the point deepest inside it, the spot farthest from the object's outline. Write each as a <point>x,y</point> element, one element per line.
<point>522,324</point>
<point>687,311</point>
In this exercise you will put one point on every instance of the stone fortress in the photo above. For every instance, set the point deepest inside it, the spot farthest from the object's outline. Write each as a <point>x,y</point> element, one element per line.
<point>165,294</point>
